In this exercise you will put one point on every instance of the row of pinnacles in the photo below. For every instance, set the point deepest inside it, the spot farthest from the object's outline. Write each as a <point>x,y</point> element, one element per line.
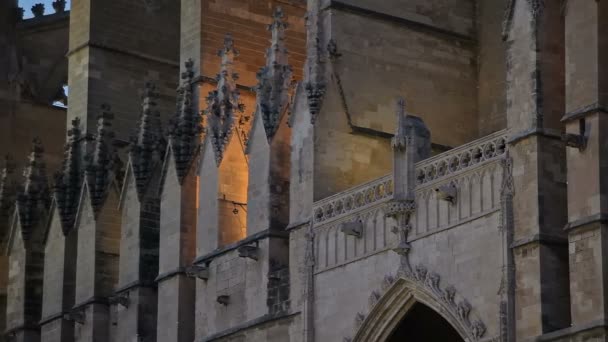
<point>143,253</point>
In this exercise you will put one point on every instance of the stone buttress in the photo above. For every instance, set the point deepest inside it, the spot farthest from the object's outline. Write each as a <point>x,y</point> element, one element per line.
<point>135,295</point>
<point>26,251</point>
<point>8,193</point>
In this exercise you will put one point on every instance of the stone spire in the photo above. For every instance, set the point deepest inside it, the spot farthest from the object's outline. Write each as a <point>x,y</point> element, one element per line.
<point>147,144</point>
<point>275,78</point>
<point>68,180</point>
<point>100,164</point>
<point>8,188</point>
<point>33,195</point>
<point>223,104</point>
<point>315,83</point>
<point>185,127</point>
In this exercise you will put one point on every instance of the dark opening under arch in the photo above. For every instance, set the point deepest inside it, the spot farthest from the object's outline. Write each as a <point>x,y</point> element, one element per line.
<point>423,324</point>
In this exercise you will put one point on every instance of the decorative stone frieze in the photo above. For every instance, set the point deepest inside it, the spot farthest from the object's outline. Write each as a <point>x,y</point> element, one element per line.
<point>274,80</point>
<point>33,197</point>
<point>223,104</point>
<point>148,143</point>
<point>185,127</point>
<point>68,180</point>
<point>99,170</point>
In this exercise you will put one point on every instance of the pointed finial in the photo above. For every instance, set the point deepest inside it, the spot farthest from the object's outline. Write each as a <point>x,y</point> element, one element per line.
<point>33,197</point>
<point>147,145</point>
<point>68,180</point>
<point>100,166</point>
<point>185,128</point>
<point>223,103</point>
<point>274,80</point>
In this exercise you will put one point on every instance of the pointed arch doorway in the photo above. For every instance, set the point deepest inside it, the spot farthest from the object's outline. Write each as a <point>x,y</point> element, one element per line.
<point>422,323</point>
<point>410,311</point>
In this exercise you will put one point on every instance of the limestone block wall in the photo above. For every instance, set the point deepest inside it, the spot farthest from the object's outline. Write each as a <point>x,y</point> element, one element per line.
<point>256,289</point>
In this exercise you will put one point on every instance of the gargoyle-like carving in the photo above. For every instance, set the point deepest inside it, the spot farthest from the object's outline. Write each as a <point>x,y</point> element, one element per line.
<point>121,299</point>
<point>77,316</point>
<point>578,141</point>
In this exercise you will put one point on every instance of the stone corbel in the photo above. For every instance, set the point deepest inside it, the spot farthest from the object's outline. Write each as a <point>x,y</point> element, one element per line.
<point>447,193</point>
<point>77,316</point>
<point>223,299</point>
<point>249,251</point>
<point>121,299</point>
<point>353,228</point>
<point>198,271</point>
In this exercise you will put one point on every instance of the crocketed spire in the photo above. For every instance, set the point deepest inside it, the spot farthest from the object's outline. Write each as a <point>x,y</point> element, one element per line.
<point>275,78</point>
<point>223,103</point>
<point>315,84</point>
<point>185,127</point>
<point>32,198</point>
<point>8,188</point>
<point>100,164</point>
<point>147,143</point>
<point>68,180</point>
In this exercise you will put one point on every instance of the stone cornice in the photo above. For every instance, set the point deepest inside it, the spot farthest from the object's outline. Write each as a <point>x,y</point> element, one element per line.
<point>584,111</point>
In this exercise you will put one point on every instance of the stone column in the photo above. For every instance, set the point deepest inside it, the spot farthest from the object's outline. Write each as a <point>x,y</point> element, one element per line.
<point>136,296</point>
<point>98,225</point>
<point>586,122</point>
<point>25,250</point>
<point>534,36</point>
<point>178,203</point>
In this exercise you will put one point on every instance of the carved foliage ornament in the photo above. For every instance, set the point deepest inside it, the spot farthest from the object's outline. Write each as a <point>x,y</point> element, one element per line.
<point>32,199</point>
<point>223,104</point>
<point>148,143</point>
<point>274,80</point>
<point>185,127</point>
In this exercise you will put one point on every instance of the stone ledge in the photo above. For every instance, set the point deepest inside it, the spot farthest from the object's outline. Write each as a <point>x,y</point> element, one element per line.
<point>127,52</point>
<point>52,317</point>
<point>134,284</point>
<point>297,225</point>
<point>583,112</point>
<point>597,218</point>
<point>573,330</point>
<point>207,258</point>
<point>543,239</point>
<point>23,327</point>
<point>411,24</point>
<point>248,325</point>
<point>170,274</point>
<point>547,133</point>
<point>92,300</point>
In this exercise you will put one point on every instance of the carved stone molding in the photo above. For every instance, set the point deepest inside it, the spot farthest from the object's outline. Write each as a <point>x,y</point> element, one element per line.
<point>400,292</point>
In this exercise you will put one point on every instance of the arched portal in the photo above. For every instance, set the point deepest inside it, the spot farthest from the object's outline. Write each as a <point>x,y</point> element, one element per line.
<point>415,308</point>
<point>422,323</point>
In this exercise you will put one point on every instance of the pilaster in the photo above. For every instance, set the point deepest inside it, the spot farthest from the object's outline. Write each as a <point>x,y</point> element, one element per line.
<point>586,123</point>
<point>534,37</point>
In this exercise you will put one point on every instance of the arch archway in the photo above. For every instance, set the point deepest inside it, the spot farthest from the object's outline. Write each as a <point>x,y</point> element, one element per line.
<point>411,300</point>
<point>422,323</point>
